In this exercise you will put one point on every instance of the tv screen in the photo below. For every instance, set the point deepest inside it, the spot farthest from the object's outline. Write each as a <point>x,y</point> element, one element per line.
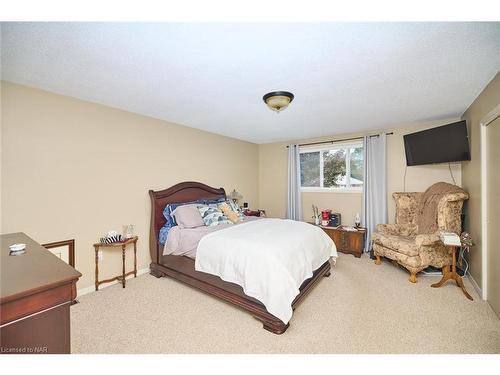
<point>447,143</point>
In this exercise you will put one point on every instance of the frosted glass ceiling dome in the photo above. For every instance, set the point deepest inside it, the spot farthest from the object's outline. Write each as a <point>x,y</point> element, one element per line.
<point>278,100</point>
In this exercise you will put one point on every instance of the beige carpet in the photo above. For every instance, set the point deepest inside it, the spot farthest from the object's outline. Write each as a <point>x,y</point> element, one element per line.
<point>361,308</point>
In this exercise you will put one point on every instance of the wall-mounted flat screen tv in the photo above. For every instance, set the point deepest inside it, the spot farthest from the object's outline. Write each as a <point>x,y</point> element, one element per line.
<point>443,144</point>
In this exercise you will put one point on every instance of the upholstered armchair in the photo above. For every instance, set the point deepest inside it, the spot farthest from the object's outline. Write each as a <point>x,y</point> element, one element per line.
<point>402,242</point>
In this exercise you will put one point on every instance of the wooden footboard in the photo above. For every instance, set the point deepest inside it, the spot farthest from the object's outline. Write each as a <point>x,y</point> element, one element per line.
<point>182,269</point>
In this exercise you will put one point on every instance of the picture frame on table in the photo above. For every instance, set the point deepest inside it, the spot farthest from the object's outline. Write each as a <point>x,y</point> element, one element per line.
<point>65,250</point>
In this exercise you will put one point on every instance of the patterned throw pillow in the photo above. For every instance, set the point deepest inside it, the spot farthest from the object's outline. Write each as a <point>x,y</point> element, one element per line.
<point>212,216</point>
<point>233,205</point>
<point>214,201</point>
<point>236,209</point>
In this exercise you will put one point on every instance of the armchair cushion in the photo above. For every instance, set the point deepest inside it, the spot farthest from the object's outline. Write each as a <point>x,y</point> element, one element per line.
<point>427,239</point>
<point>402,244</point>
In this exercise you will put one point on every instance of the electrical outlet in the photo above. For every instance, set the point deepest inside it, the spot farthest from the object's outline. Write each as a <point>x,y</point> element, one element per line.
<point>100,254</point>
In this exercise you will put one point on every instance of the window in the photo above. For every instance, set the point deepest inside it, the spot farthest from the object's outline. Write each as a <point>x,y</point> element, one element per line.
<point>333,168</point>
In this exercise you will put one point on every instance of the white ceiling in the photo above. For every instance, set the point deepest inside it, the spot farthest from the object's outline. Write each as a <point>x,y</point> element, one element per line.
<point>346,77</point>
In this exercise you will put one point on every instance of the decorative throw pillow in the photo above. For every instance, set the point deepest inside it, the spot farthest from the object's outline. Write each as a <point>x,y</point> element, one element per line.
<point>168,217</point>
<point>231,215</point>
<point>212,216</point>
<point>233,205</point>
<point>188,216</point>
<point>214,201</point>
<point>236,209</point>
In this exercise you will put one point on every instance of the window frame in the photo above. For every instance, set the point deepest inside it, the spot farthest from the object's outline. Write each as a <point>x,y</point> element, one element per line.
<point>329,147</point>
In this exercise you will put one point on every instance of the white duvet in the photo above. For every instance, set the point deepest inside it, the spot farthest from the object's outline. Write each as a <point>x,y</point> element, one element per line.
<point>268,258</point>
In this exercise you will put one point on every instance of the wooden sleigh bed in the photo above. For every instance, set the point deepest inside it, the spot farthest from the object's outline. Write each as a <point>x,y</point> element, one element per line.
<point>182,268</point>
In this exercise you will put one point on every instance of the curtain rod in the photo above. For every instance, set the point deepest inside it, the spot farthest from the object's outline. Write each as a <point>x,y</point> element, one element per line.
<point>338,140</point>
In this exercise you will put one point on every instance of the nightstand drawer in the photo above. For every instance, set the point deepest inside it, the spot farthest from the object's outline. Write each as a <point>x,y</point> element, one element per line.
<point>347,241</point>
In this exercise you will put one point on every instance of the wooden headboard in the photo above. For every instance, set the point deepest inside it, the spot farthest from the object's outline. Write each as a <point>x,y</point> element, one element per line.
<point>180,193</point>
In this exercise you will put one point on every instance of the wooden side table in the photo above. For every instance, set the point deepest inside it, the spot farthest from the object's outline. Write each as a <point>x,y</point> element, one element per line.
<point>258,213</point>
<point>347,241</point>
<point>115,245</point>
<point>452,274</point>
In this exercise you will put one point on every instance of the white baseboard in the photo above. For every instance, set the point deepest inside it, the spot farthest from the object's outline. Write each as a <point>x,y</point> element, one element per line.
<point>474,284</point>
<point>90,289</point>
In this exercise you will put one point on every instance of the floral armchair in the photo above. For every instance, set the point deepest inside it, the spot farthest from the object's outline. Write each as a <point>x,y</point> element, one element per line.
<point>401,241</point>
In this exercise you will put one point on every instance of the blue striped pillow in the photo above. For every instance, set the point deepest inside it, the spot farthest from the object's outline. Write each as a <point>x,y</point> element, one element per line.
<point>162,236</point>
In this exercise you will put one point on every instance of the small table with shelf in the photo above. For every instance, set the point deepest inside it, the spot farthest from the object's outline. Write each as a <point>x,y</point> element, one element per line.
<point>123,245</point>
<point>347,241</point>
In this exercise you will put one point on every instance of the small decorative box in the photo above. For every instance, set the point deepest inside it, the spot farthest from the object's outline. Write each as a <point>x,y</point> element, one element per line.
<point>112,239</point>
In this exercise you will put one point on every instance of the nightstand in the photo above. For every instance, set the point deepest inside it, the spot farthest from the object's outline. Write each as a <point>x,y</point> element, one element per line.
<point>347,241</point>
<point>258,213</point>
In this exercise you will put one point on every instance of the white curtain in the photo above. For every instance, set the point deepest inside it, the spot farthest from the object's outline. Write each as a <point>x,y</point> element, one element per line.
<point>293,206</point>
<point>374,186</point>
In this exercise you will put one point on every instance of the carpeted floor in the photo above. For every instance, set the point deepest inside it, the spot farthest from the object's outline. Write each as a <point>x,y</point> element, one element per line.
<point>361,308</point>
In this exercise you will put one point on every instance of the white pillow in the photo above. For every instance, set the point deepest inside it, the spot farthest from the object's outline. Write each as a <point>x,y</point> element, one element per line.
<point>188,216</point>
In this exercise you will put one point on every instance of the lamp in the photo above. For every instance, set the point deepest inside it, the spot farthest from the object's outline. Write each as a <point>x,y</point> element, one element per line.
<point>235,196</point>
<point>278,100</point>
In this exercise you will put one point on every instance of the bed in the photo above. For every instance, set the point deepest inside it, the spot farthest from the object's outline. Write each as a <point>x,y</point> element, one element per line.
<point>182,268</point>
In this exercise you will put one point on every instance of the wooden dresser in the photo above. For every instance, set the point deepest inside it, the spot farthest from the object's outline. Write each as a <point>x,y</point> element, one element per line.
<point>347,241</point>
<point>36,291</point>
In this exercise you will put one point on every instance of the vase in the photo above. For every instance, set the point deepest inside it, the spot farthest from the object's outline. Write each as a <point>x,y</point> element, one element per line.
<point>128,231</point>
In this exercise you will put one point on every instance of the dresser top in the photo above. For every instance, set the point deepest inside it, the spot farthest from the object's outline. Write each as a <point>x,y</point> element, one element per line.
<point>34,271</point>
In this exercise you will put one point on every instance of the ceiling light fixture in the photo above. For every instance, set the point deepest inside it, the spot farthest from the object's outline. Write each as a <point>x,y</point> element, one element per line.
<point>278,100</point>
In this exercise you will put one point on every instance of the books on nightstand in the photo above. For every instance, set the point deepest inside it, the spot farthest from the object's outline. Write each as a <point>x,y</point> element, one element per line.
<point>351,229</point>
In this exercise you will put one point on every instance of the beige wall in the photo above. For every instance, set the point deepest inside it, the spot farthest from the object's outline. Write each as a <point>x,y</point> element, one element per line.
<point>493,223</point>
<point>471,170</point>
<point>74,169</point>
<point>1,153</point>
<point>273,168</point>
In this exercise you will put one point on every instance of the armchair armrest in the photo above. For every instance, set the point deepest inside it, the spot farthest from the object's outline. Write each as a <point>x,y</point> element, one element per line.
<point>453,197</point>
<point>428,239</point>
<point>397,229</point>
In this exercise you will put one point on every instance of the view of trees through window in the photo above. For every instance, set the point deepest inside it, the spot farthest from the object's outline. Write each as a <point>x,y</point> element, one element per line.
<point>332,168</point>
<point>309,169</point>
